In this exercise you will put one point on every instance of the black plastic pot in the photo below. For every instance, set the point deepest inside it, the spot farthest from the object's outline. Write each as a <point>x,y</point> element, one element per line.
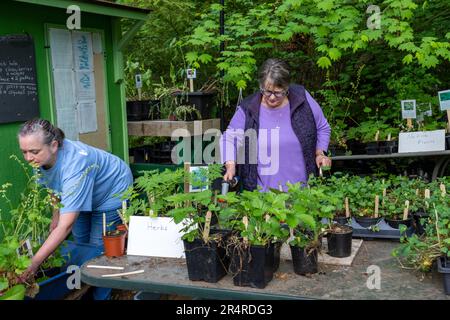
<point>206,262</point>
<point>340,244</point>
<point>387,147</point>
<point>252,267</point>
<point>372,148</point>
<point>202,101</point>
<point>341,220</point>
<point>142,154</point>
<point>337,151</point>
<point>138,110</point>
<point>356,147</point>
<point>276,255</point>
<point>304,263</point>
<point>420,222</point>
<point>447,141</point>
<point>366,222</point>
<point>444,268</point>
<point>394,223</point>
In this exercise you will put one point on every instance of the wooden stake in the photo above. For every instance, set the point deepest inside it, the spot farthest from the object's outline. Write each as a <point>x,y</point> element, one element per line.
<point>245,221</point>
<point>191,85</point>
<point>347,209</point>
<point>104,267</point>
<point>122,274</point>
<point>389,137</point>
<point>377,135</point>
<point>427,194</point>
<point>384,196</point>
<point>406,210</point>
<point>417,192</point>
<point>104,224</point>
<point>442,187</point>
<point>207,226</point>
<point>377,201</point>
<point>139,94</point>
<point>409,123</point>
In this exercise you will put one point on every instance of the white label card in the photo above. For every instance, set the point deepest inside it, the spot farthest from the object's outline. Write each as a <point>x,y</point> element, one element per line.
<point>155,237</point>
<point>421,141</point>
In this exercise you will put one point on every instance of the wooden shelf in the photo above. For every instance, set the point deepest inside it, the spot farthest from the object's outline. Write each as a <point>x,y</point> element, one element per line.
<point>165,128</point>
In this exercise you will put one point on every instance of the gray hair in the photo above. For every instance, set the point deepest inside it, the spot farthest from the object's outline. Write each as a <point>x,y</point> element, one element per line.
<point>276,71</point>
<point>48,131</point>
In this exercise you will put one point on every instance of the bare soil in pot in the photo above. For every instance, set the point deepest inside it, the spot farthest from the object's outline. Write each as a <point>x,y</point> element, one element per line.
<point>340,240</point>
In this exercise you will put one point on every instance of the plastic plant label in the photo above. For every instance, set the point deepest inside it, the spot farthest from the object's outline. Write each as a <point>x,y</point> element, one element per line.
<point>138,80</point>
<point>444,99</point>
<point>421,141</point>
<point>191,73</point>
<point>409,109</point>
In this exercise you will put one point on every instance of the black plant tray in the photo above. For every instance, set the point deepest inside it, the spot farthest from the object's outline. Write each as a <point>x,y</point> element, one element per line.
<point>385,232</point>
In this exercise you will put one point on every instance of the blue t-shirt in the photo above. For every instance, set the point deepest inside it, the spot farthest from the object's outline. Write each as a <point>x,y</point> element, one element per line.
<point>87,178</point>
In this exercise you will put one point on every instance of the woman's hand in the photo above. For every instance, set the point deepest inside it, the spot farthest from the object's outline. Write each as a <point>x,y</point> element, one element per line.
<point>30,272</point>
<point>231,170</point>
<point>322,160</point>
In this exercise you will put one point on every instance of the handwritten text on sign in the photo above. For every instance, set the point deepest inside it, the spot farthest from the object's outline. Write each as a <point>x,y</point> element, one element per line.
<point>155,237</point>
<point>421,141</point>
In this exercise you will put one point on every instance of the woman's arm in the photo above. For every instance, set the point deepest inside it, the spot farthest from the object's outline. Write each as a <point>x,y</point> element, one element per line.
<point>56,237</point>
<point>323,132</point>
<point>231,141</point>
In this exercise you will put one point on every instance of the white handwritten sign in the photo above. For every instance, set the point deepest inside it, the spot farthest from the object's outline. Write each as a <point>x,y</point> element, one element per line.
<point>421,141</point>
<point>155,237</point>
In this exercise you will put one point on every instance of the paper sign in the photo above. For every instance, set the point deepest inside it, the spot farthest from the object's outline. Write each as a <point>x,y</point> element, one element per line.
<point>191,73</point>
<point>155,237</point>
<point>408,109</point>
<point>444,99</point>
<point>421,141</point>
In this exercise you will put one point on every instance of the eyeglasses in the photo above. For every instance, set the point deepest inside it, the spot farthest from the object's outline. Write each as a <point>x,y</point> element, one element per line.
<point>277,94</point>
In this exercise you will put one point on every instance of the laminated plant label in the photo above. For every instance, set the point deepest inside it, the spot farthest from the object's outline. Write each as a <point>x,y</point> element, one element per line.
<point>421,141</point>
<point>444,99</point>
<point>155,237</point>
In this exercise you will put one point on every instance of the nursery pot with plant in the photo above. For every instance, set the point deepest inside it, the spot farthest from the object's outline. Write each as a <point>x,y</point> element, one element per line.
<point>114,243</point>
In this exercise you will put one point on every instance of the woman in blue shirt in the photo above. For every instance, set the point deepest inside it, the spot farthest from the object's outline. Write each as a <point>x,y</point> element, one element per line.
<point>86,180</point>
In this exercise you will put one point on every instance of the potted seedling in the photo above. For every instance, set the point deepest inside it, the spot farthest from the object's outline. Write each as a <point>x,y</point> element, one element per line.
<point>113,240</point>
<point>304,221</point>
<point>205,246</point>
<point>364,196</point>
<point>258,229</point>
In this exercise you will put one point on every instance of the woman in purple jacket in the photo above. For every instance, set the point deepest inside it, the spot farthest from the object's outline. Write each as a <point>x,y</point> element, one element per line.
<point>277,135</point>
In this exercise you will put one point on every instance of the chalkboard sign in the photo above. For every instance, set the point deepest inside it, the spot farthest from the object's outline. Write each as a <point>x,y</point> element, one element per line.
<point>18,84</point>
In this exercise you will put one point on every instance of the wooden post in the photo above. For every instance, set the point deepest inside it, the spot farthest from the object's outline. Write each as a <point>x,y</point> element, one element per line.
<point>187,167</point>
<point>377,135</point>
<point>347,209</point>
<point>140,94</point>
<point>377,201</point>
<point>406,210</point>
<point>191,85</point>
<point>389,137</point>
<point>207,226</point>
